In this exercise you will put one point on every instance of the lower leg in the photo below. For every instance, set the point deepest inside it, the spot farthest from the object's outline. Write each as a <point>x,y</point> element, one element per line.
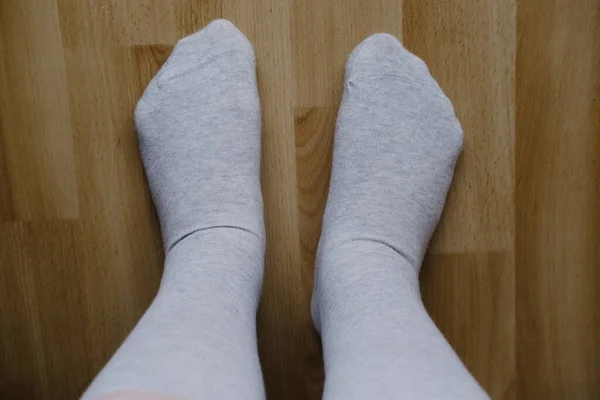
<point>396,143</point>
<point>198,338</point>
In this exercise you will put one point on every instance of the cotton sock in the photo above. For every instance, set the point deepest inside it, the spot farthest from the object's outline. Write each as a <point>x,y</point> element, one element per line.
<point>396,143</point>
<point>199,135</point>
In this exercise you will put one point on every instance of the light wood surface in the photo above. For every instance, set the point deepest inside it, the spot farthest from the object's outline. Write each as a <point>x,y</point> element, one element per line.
<point>557,194</point>
<point>513,272</point>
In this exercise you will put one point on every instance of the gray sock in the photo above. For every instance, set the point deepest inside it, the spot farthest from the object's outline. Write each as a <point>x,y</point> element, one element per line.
<point>396,143</point>
<point>199,134</point>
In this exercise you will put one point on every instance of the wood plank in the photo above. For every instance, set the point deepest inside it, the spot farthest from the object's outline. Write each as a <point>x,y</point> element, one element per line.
<point>122,251</point>
<point>474,64</point>
<point>558,200</point>
<point>6,207</point>
<point>282,323</point>
<point>467,295</point>
<point>34,110</point>
<point>44,354</point>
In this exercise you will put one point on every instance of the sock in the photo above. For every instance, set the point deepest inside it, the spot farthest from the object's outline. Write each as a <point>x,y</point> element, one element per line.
<point>396,143</point>
<point>199,135</point>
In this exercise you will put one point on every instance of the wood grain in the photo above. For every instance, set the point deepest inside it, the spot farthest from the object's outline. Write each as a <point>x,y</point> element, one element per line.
<point>512,275</point>
<point>38,142</point>
<point>558,197</point>
<point>470,295</point>
<point>468,281</point>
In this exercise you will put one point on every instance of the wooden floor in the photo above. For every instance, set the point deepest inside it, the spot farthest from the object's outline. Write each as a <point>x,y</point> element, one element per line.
<point>513,273</point>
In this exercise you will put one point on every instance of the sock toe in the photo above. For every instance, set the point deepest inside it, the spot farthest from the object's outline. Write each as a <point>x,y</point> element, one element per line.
<point>382,54</point>
<point>219,34</point>
<point>217,38</point>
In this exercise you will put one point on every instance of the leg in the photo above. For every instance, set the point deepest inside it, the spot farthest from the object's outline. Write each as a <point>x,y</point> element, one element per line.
<point>396,143</point>
<point>199,133</point>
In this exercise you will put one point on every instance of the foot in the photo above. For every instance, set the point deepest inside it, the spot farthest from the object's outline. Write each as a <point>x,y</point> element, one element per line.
<point>396,143</point>
<point>199,135</point>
